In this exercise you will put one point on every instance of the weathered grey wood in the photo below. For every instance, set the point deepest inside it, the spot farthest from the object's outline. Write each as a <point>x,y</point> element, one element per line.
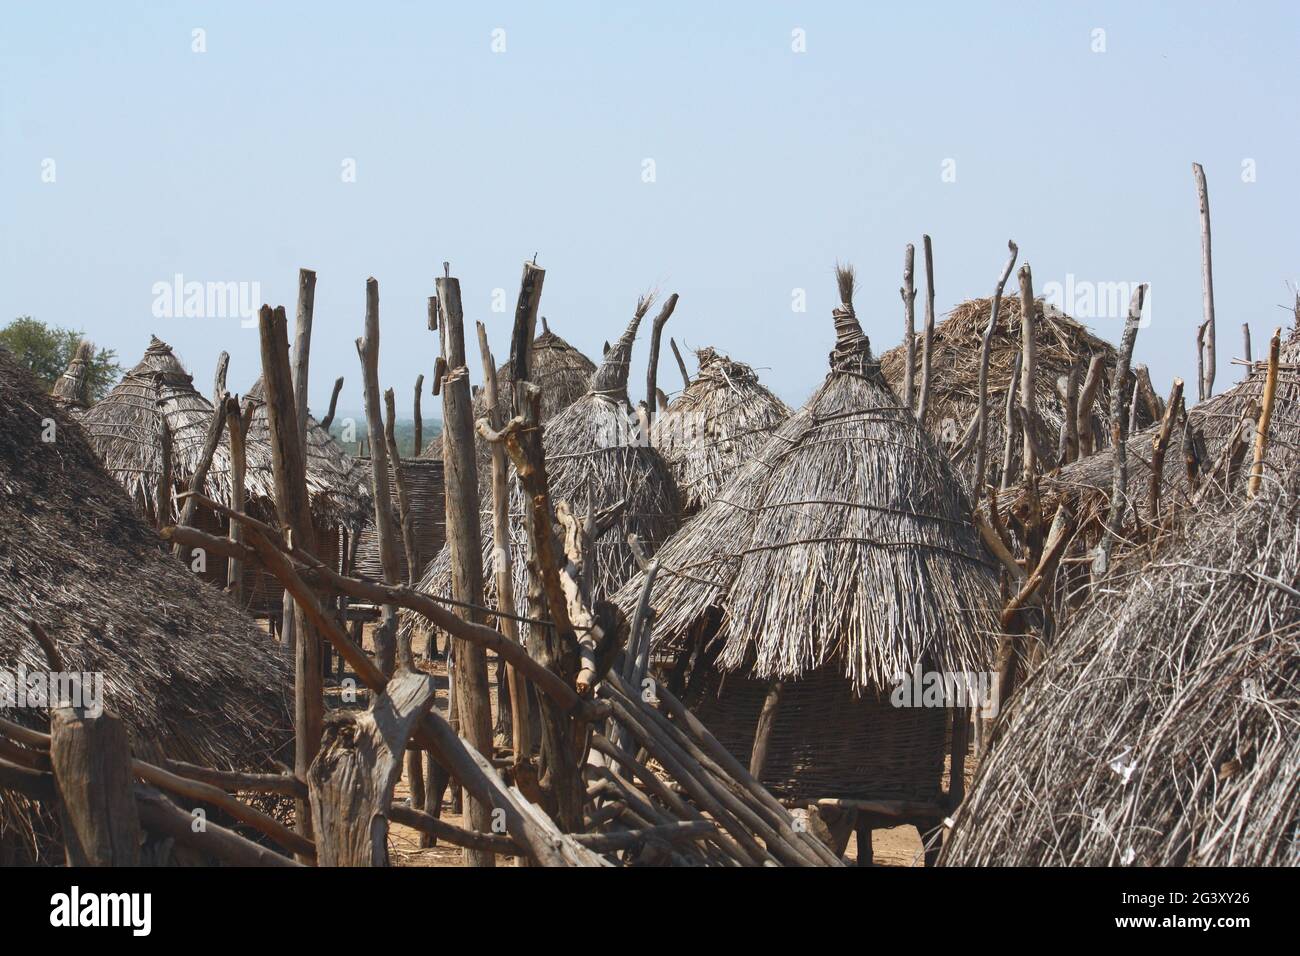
<point>328,420</point>
<point>431,826</point>
<point>1070,423</point>
<point>405,518</point>
<point>219,378</point>
<point>1265,415</point>
<point>1119,434</point>
<point>923,403</point>
<point>302,349</point>
<point>1206,384</point>
<point>418,443</point>
<point>1028,371</point>
<point>986,351</point>
<point>1245,337</point>
<point>460,477</point>
<point>681,365</point>
<point>351,781</point>
<point>91,759</point>
<point>160,816</point>
<point>1011,423</point>
<point>1087,396</point>
<point>294,510</point>
<point>652,366</point>
<point>521,734</point>
<point>210,442</point>
<point>368,350</point>
<point>1160,445</point>
<point>525,325</point>
<point>763,732</point>
<point>233,781</point>
<point>908,292</point>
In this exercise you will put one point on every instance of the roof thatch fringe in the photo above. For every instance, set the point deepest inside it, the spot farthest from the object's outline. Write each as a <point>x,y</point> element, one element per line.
<point>562,372</point>
<point>1162,729</point>
<point>955,358</point>
<point>1085,485</point>
<point>593,448</point>
<point>339,487</point>
<point>722,420</point>
<point>191,676</point>
<point>847,539</point>
<point>72,389</point>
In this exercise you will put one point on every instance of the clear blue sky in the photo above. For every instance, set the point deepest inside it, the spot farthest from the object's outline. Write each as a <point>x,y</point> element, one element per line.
<point>770,164</point>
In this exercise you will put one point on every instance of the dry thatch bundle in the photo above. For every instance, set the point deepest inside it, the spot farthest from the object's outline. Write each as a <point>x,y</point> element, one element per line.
<point>125,432</point>
<point>1221,442</point>
<point>1062,343</point>
<point>192,677</point>
<point>1164,728</point>
<point>427,498</point>
<point>722,420</point>
<point>72,389</point>
<point>844,549</point>
<point>339,487</point>
<point>594,454</point>
<point>562,372</point>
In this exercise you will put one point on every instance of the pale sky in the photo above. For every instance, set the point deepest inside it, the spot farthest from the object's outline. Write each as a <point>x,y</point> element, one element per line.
<point>781,137</point>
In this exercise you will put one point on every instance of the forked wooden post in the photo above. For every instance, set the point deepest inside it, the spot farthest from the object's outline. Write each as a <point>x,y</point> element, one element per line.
<point>464,540</point>
<point>652,367</point>
<point>368,350</point>
<point>295,515</point>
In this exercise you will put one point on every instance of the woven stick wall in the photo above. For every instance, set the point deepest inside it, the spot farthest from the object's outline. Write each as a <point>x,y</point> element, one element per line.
<point>427,497</point>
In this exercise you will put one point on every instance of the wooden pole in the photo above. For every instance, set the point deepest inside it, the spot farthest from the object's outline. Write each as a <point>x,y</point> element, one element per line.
<point>301,357</point>
<point>237,423</point>
<point>1245,337</point>
<point>1265,415</point>
<point>1009,423</point>
<point>1118,435</point>
<point>1028,371</point>
<point>681,365</point>
<point>295,516</point>
<point>91,760</point>
<point>1087,396</point>
<point>1071,424</point>
<point>380,481</point>
<point>986,351</point>
<point>1160,445</point>
<point>418,442</point>
<point>210,443</point>
<point>162,498</point>
<point>521,734</point>
<point>766,721</point>
<point>219,379</point>
<point>924,402</point>
<point>464,539</point>
<point>908,292</point>
<point>1206,384</point>
<point>406,519</point>
<point>328,420</point>
<point>652,367</point>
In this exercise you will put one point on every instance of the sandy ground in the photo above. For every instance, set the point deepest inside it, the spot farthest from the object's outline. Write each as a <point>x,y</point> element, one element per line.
<point>898,846</point>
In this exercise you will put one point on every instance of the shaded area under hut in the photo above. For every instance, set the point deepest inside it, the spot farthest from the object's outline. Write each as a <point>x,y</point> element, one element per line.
<point>834,565</point>
<point>192,678</point>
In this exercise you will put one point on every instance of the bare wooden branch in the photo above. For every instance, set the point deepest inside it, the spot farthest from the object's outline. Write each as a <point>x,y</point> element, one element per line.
<point>1206,385</point>
<point>681,365</point>
<point>923,402</point>
<point>1028,371</point>
<point>200,475</point>
<point>405,517</point>
<point>219,378</point>
<point>1160,445</point>
<point>1265,415</point>
<point>652,368</point>
<point>1119,434</point>
<point>908,292</point>
<point>328,420</point>
<point>986,351</point>
<point>418,443</point>
<point>1087,396</point>
<point>237,423</point>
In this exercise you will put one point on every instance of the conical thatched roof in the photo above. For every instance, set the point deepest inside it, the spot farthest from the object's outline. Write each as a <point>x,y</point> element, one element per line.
<point>846,542</point>
<point>1162,729</point>
<point>721,420</point>
<point>1085,485</point>
<point>338,485</point>
<point>563,373</point>
<point>591,447</point>
<point>125,426</point>
<point>192,677</point>
<point>72,389</point>
<point>954,375</point>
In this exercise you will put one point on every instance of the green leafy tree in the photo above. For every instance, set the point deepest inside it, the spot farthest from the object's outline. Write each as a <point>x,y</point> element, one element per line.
<point>47,350</point>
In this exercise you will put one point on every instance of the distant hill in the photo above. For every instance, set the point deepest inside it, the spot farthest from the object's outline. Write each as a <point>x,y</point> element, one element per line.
<point>403,431</point>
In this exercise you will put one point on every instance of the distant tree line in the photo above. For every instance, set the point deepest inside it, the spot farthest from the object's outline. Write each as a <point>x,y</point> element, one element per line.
<point>47,349</point>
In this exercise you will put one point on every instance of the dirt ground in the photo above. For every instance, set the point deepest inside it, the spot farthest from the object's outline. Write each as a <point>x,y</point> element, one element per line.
<point>897,846</point>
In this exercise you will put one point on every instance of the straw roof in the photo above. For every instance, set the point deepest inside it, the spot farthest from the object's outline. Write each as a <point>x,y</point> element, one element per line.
<point>191,676</point>
<point>72,389</point>
<point>591,451</point>
<point>954,375</point>
<point>563,373</point>
<point>1164,727</point>
<point>721,420</point>
<point>338,485</point>
<point>847,539</point>
<point>1085,485</point>
<point>124,430</point>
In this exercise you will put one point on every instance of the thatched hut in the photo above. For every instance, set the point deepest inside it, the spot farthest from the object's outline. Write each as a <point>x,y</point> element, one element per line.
<point>594,451</point>
<point>72,389</point>
<point>192,678</point>
<point>125,430</point>
<point>1062,344</point>
<point>836,564</point>
<point>562,372</point>
<point>1219,433</point>
<point>1161,730</point>
<point>719,422</point>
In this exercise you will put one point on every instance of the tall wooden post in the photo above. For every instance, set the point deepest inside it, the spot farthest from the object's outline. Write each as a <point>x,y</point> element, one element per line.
<point>368,350</point>
<point>1206,384</point>
<point>908,292</point>
<point>1028,369</point>
<point>418,443</point>
<point>295,517</point>
<point>464,538</point>
<point>237,428</point>
<point>926,342</point>
<point>652,367</point>
<point>301,360</point>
